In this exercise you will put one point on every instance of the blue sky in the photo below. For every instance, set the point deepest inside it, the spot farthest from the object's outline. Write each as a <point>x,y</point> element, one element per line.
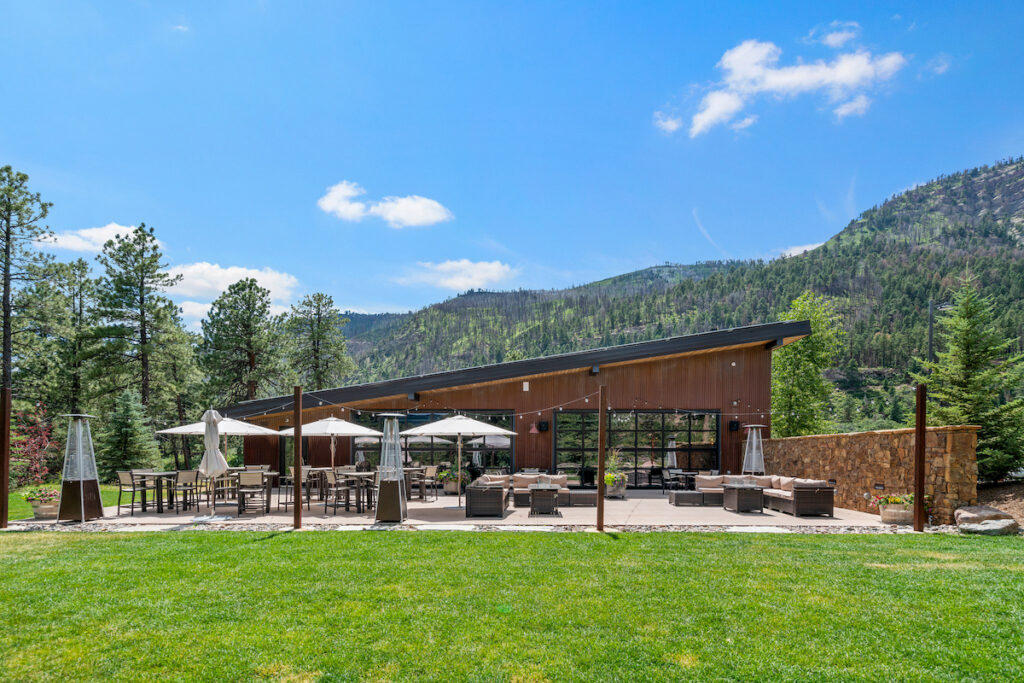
<point>392,154</point>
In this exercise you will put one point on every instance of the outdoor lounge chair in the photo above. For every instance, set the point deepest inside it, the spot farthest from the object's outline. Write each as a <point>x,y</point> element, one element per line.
<point>486,500</point>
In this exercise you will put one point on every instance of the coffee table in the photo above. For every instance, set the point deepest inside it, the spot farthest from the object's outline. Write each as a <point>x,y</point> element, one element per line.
<point>743,498</point>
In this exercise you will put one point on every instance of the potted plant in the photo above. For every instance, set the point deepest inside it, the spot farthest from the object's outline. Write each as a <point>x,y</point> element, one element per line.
<point>895,508</point>
<point>614,478</point>
<point>45,501</point>
<point>450,480</point>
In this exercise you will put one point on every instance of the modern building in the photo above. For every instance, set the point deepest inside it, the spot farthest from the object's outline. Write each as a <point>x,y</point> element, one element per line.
<point>677,402</point>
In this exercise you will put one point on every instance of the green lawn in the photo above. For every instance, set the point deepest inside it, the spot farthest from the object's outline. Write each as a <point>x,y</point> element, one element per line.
<point>19,509</point>
<point>361,605</point>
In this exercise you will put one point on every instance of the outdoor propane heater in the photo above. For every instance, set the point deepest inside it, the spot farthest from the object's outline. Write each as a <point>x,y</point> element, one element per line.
<point>80,486</point>
<point>391,503</point>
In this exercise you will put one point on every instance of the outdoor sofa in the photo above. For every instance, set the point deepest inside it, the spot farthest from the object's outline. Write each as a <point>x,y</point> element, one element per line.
<point>519,484</point>
<point>485,499</point>
<point>791,495</point>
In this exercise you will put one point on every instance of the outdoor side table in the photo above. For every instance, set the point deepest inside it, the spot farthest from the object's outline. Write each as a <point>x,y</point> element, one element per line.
<point>544,499</point>
<point>743,498</point>
<point>680,497</point>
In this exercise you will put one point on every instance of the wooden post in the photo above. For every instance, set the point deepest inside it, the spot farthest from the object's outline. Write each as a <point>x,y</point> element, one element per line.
<point>5,453</point>
<point>919,443</point>
<point>602,442</point>
<point>297,467</point>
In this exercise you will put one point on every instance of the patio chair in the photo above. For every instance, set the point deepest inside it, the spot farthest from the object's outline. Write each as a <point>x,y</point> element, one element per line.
<point>186,488</point>
<point>430,479</point>
<point>251,487</point>
<point>337,488</point>
<point>223,487</point>
<point>127,484</point>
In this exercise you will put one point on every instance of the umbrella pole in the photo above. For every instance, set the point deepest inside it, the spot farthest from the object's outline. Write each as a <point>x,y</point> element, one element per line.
<point>460,470</point>
<point>332,452</point>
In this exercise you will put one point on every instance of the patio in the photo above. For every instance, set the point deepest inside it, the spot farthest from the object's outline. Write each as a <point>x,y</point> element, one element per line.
<point>641,508</point>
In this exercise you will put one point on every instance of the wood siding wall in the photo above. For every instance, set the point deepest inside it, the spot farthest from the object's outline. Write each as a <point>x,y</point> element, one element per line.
<point>736,382</point>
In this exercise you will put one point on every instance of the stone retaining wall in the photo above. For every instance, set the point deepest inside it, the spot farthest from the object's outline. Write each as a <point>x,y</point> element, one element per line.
<point>859,461</point>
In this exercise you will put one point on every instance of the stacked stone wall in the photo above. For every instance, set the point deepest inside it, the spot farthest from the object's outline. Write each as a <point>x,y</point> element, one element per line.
<point>861,461</point>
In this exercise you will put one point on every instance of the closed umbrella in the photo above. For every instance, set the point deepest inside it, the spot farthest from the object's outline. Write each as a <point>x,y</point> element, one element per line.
<point>334,427</point>
<point>458,426</point>
<point>213,464</point>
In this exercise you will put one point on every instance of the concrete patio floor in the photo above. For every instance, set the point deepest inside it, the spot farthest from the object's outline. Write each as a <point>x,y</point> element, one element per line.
<point>641,508</point>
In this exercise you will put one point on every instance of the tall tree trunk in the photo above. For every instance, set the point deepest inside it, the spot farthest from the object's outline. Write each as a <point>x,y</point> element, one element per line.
<point>252,382</point>
<point>143,349</point>
<point>7,325</point>
<point>185,451</point>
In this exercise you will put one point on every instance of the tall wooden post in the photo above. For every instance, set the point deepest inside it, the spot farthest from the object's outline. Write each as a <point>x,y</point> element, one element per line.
<point>919,443</point>
<point>602,442</point>
<point>297,467</point>
<point>5,453</point>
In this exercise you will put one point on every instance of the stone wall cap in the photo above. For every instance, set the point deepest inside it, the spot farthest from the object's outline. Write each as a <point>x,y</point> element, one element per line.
<point>905,430</point>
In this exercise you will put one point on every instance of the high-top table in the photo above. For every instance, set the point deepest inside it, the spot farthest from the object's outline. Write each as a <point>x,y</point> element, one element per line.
<point>158,480</point>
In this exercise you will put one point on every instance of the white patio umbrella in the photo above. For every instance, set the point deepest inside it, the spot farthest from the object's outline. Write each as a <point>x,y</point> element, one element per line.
<point>226,427</point>
<point>213,464</point>
<point>494,442</point>
<point>753,454</point>
<point>334,427</point>
<point>458,426</point>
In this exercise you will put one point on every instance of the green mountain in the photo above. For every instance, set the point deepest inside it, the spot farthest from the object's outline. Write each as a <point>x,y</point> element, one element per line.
<point>882,268</point>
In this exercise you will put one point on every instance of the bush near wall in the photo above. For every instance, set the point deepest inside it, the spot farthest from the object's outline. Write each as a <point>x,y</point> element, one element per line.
<point>859,461</point>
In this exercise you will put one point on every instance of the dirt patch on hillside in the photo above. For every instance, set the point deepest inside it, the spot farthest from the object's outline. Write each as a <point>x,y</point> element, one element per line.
<point>1006,497</point>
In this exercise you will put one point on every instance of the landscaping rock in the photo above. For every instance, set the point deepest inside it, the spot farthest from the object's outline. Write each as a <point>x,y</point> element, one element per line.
<point>973,514</point>
<point>992,527</point>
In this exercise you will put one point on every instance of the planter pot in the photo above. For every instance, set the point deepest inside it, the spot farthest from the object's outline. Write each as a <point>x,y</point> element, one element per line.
<point>451,487</point>
<point>45,510</point>
<point>616,490</point>
<point>896,514</point>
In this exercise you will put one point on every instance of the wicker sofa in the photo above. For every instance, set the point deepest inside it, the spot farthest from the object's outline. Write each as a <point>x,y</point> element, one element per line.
<point>795,496</point>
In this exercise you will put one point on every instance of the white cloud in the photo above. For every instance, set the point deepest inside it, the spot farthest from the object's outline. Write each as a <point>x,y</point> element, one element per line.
<point>459,275</point>
<point>399,212</point>
<point>747,122</point>
<point>794,251</point>
<point>718,106</point>
<point>858,106</point>
<point>88,239</point>
<point>194,309</point>
<point>836,34</point>
<point>208,280</point>
<point>752,68</point>
<point>182,28</point>
<point>939,64</point>
<point>666,122</point>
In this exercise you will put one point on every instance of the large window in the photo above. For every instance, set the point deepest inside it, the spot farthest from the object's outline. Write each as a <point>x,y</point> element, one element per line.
<point>645,443</point>
<point>493,454</point>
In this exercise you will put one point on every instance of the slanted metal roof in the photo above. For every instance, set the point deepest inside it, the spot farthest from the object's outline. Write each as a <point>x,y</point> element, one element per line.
<point>779,334</point>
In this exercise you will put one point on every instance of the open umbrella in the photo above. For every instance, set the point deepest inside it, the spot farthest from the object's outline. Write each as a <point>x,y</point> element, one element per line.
<point>226,427</point>
<point>458,426</point>
<point>494,442</point>
<point>334,427</point>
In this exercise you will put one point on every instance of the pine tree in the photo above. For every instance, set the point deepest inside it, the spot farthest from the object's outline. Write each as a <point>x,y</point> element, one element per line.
<point>128,441</point>
<point>800,391</point>
<point>975,380</point>
<point>135,314</point>
<point>242,347</point>
<point>319,351</point>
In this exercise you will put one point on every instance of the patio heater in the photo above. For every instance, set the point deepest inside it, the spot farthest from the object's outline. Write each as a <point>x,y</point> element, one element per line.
<point>80,486</point>
<point>753,455</point>
<point>391,504</point>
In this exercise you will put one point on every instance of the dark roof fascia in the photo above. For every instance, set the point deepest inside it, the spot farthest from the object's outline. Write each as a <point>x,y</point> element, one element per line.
<point>771,333</point>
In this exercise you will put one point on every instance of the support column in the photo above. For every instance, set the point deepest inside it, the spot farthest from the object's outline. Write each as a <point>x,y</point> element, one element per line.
<point>919,443</point>
<point>5,453</point>
<point>297,466</point>
<point>602,442</point>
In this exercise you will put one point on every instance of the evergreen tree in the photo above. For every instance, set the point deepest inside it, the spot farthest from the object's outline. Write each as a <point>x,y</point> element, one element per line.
<point>800,391</point>
<point>974,380</point>
<point>128,441</point>
<point>319,351</point>
<point>242,347</point>
<point>135,314</point>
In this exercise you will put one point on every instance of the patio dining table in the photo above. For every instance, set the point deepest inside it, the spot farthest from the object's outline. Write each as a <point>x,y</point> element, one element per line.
<point>268,483</point>
<point>158,480</point>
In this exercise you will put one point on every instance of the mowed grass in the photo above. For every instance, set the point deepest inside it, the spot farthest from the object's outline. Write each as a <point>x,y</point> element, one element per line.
<point>19,508</point>
<point>446,606</point>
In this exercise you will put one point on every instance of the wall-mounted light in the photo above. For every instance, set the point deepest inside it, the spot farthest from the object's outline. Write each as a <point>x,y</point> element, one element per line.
<point>413,396</point>
<point>533,428</point>
<point>595,369</point>
<point>526,386</point>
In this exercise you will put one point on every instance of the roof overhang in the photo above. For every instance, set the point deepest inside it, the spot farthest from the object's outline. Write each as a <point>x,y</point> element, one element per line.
<point>770,335</point>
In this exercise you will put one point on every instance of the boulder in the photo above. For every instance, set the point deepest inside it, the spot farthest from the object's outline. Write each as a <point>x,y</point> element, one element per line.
<point>973,514</point>
<point>992,527</point>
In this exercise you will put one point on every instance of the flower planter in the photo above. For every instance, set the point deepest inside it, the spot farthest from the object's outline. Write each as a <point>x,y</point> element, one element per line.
<point>616,490</point>
<point>45,510</point>
<point>896,514</point>
<point>451,487</point>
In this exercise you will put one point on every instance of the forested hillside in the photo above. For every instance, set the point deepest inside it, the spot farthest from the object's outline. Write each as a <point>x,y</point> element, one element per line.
<point>882,268</point>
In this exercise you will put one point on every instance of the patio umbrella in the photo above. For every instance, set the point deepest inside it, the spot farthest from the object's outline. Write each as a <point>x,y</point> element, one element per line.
<point>226,427</point>
<point>753,454</point>
<point>213,464</point>
<point>458,426</point>
<point>334,427</point>
<point>495,442</point>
